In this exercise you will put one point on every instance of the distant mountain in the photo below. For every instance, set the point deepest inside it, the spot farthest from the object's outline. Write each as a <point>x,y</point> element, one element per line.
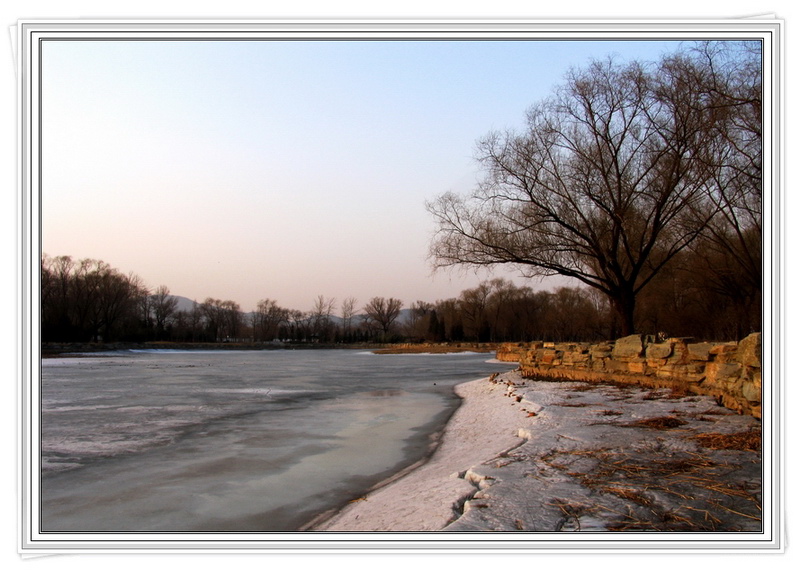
<point>184,303</point>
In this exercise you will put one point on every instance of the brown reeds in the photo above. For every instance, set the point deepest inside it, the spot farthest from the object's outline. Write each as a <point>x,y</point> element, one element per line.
<point>709,500</point>
<point>658,423</point>
<point>748,440</point>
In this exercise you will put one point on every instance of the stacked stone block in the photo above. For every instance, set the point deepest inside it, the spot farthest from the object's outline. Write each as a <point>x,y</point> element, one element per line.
<point>731,372</point>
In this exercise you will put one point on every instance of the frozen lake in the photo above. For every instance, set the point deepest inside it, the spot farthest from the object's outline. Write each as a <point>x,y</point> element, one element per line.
<point>234,440</point>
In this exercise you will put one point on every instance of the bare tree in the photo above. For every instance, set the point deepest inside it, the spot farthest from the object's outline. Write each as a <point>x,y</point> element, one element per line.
<point>729,250</point>
<point>606,185</point>
<point>195,320</point>
<point>163,306</point>
<point>381,313</point>
<point>232,319</point>
<point>88,300</point>
<point>509,310</point>
<point>298,324</point>
<point>348,310</point>
<point>473,305</point>
<point>450,324</point>
<point>418,324</point>
<point>56,288</point>
<point>267,320</point>
<point>320,317</point>
<point>144,305</point>
<point>223,319</point>
<point>213,317</point>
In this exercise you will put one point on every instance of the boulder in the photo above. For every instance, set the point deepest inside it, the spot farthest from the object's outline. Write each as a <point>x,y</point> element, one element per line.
<point>627,348</point>
<point>680,351</point>
<point>659,350</point>
<point>751,390</point>
<point>699,351</point>
<point>723,374</point>
<point>749,351</point>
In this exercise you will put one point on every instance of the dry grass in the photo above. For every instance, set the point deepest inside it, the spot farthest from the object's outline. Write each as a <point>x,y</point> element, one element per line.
<point>438,349</point>
<point>627,493</point>
<point>610,413</point>
<point>658,423</point>
<point>749,440</point>
<point>707,499</point>
<point>655,395</point>
<point>717,412</point>
<point>580,386</point>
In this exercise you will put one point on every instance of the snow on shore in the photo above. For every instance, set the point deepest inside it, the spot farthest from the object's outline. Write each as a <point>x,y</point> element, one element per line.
<point>429,498</point>
<point>525,455</point>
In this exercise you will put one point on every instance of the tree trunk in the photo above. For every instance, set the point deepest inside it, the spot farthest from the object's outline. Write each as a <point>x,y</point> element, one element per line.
<point>624,304</point>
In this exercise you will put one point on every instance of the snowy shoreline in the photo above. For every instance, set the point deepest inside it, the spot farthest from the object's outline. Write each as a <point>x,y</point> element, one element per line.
<point>428,496</point>
<point>532,455</point>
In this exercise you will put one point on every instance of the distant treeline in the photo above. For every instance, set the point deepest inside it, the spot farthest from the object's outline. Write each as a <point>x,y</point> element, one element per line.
<point>90,301</point>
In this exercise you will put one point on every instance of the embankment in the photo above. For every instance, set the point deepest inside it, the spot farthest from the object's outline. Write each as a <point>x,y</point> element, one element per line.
<point>730,372</point>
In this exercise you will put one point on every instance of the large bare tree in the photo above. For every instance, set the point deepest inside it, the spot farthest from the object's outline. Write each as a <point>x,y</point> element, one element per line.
<point>607,184</point>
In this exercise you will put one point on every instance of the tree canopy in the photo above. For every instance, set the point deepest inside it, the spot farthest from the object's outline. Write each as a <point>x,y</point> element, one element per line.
<point>622,168</point>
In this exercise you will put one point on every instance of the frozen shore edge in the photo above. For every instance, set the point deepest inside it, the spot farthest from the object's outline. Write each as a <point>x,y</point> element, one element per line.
<point>533,455</point>
<point>429,495</point>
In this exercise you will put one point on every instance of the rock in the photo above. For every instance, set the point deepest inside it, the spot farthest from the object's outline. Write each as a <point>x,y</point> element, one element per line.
<point>723,374</point>
<point>751,390</point>
<point>749,351</point>
<point>724,349</point>
<point>638,367</point>
<point>601,350</point>
<point>547,357</point>
<point>569,347</point>
<point>725,353</point>
<point>680,352</point>
<point>629,347</point>
<point>575,358</point>
<point>699,351</point>
<point>659,350</point>
<point>730,371</point>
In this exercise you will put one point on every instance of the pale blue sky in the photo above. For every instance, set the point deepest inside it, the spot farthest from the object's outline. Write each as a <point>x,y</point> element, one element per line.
<point>283,170</point>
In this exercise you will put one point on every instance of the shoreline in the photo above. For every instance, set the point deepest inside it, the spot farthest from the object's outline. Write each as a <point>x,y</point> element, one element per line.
<point>428,495</point>
<point>541,455</point>
<point>49,350</point>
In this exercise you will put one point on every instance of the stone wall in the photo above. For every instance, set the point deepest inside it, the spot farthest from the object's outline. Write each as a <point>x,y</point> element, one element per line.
<point>730,372</point>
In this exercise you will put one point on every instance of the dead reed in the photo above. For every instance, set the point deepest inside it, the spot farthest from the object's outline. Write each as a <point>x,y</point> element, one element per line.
<point>658,423</point>
<point>643,480</point>
<point>749,440</point>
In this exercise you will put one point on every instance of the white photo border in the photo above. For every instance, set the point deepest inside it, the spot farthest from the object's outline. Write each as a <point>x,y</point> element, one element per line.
<point>30,36</point>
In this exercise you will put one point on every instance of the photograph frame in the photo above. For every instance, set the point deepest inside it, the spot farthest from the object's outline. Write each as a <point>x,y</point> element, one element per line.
<point>30,36</point>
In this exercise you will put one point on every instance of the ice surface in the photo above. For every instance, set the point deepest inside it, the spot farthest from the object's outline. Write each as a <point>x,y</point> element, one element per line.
<point>245,441</point>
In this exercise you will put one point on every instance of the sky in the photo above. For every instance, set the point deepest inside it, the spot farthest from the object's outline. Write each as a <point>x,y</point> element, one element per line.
<point>276,170</point>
